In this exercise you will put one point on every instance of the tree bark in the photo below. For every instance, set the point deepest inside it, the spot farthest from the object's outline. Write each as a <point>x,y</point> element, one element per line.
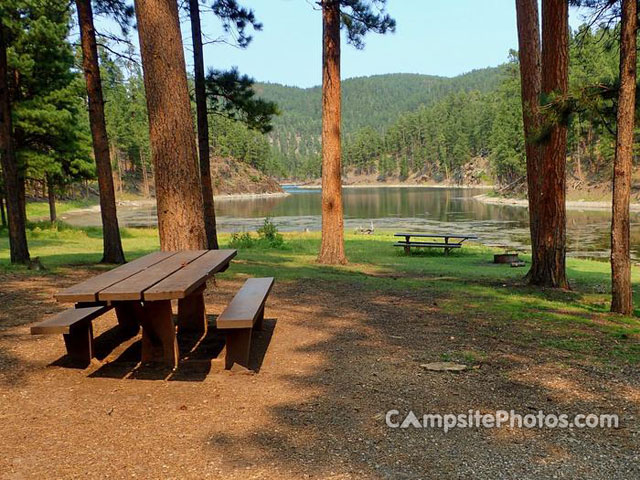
<point>51,196</point>
<point>621,296</point>
<point>173,143</point>
<point>19,250</point>
<point>3,215</point>
<point>203,127</point>
<point>332,246</point>
<point>530,84</point>
<point>145,177</point>
<point>111,242</point>
<point>548,267</point>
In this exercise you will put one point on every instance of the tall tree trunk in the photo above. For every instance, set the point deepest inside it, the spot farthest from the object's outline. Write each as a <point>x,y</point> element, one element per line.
<point>19,251</point>
<point>621,297</point>
<point>203,127</point>
<point>548,268</point>
<point>145,176</point>
<point>112,245</point>
<point>173,142</point>
<point>51,196</point>
<point>530,84</point>
<point>3,215</point>
<point>332,247</point>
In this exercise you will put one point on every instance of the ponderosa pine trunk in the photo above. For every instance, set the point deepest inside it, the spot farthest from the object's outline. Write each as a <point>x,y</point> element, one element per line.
<point>3,215</point>
<point>530,85</point>
<point>111,243</point>
<point>621,296</point>
<point>171,132</point>
<point>332,246</point>
<point>51,197</point>
<point>548,268</point>
<point>19,250</point>
<point>203,126</point>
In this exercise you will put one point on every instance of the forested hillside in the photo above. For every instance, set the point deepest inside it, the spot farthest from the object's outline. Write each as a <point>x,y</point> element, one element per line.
<point>429,128</point>
<point>374,102</point>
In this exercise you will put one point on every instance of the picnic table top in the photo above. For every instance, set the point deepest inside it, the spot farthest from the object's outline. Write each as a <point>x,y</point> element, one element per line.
<point>431,235</point>
<point>157,276</point>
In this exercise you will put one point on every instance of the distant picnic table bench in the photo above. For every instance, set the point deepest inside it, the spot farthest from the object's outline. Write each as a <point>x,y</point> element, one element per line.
<point>446,244</point>
<point>141,292</point>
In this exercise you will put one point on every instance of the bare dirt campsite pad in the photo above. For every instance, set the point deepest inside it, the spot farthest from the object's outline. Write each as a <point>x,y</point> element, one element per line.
<point>347,346</point>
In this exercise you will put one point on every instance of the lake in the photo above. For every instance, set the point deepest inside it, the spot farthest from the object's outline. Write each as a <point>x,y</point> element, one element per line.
<point>433,210</point>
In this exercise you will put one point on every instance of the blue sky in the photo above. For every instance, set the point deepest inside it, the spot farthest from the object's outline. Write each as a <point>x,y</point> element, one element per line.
<point>437,37</point>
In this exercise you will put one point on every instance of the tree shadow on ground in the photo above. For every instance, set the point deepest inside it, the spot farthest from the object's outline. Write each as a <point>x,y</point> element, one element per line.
<point>367,348</point>
<point>199,354</point>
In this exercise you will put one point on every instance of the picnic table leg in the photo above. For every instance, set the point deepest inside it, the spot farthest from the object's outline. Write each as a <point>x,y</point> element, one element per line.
<point>446,249</point>
<point>191,312</point>
<point>127,314</point>
<point>79,344</point>
<point>159,343</point>
<point>407,248</point>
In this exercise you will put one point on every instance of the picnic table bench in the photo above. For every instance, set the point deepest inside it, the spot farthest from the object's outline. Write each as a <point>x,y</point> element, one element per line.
<point>446,244</point>
<point>141,292</point>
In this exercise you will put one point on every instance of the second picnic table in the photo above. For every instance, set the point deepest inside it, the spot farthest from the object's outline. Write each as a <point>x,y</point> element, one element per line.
<point>407,244</point>
<point>141,292</point>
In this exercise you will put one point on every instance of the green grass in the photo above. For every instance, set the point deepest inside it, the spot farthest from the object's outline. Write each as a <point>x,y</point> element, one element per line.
<point>465,285</point>
<point>40,210</point>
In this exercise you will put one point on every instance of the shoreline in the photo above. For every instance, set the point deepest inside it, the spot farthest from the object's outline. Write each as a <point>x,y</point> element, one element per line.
<point>148,202</point>
<point>571,204</point>
<point>397,185</point>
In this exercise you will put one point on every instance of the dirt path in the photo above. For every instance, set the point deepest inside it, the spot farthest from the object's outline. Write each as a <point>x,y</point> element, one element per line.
<point>337,358</point>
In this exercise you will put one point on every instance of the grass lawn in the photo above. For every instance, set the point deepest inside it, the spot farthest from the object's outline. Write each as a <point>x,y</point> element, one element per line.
<point>40,210</point>
<point>465,285</point>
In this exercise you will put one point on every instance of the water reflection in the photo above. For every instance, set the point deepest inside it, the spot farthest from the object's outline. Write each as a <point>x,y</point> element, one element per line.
<point>434,210</point>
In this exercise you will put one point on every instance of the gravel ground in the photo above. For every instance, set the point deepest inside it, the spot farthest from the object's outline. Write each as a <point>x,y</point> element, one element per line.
<point>332,360</point>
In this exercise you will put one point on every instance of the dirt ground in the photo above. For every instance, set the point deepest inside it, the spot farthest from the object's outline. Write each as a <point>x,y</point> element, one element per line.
<point>331,361</point>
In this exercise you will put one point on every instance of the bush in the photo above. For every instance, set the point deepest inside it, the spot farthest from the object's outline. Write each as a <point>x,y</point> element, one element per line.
<point>242,240</point>
<point>268,233</point>
<point>268,237</point>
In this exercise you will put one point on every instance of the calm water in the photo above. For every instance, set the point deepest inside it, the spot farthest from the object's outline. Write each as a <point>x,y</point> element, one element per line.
<point>431,210</point>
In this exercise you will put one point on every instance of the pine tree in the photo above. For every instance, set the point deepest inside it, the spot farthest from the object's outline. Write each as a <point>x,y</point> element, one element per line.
<point>172,133</point>
<point>549,267</point>
<point>358,17</point>
<point>530,81</point>
<point>19,251</point>
<point>621,293</point>
<point>112,244</point>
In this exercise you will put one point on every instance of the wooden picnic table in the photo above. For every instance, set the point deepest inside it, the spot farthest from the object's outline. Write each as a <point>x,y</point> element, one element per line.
<point>141,292</point>
<point>408,243</point>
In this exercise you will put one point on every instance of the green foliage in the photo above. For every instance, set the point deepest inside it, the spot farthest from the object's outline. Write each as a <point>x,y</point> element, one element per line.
<point>242,240</point>
<point>369,103</point>
<point>236,18</point>
<point>268,236</point>
<point>268,233</point>
<point>358,17</point>
<point>232,95</point>
<point>51,131</point>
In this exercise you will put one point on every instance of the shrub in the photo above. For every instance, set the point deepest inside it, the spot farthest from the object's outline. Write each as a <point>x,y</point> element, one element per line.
<point>268,233</point>
<point>242,240</point>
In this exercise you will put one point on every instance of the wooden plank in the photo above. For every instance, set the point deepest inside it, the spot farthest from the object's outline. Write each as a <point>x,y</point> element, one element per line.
<point>246,305</point>
<point>186,280</point>
<point>87,291</point>
<point>429,235</point>
<point>63,322</point>
<point>132,287</point>
<point>427,244</point>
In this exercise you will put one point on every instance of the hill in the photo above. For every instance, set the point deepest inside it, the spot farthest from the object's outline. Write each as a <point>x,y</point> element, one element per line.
<point>376,102</point>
